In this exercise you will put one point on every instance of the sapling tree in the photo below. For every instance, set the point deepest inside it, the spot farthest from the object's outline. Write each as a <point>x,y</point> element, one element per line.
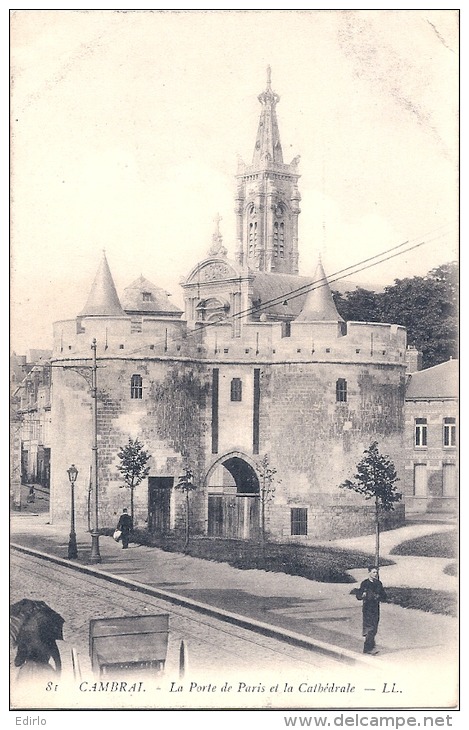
<point>186,485</point>
<point>133,467</point>
<point>268,485</point>
<point>375,479</point>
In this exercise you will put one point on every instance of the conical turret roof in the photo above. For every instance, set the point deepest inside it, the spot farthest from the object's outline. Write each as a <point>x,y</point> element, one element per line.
<point>319,305</point>
<point>103,300</point>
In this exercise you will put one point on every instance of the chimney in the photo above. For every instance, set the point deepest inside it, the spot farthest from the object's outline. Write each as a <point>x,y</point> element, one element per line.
<point>413,359</point>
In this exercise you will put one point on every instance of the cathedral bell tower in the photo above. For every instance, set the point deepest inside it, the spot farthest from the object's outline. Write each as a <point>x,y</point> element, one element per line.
<point>267,199</point>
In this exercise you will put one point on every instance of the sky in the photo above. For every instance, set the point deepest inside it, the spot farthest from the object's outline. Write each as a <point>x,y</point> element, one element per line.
<point>126,127</point>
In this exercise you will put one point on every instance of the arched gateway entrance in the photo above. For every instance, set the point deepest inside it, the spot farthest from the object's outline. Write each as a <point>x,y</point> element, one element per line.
<point>233,499</point>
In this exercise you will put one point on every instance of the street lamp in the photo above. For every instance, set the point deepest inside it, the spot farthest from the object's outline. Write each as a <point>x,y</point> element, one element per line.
<point>72,543</point>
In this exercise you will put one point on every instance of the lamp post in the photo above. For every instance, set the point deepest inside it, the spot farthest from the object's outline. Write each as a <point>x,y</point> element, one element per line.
<point>95,556</point>
<point>72,543</point>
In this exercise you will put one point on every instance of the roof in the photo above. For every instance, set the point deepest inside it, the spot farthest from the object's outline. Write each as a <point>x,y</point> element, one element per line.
<point>145,298</point>
<point>319,304</point>
<point>37,355</point>
<point>273,286</point>
<point>103,300</point>
<point>440,381</point>
<point>294,296</point>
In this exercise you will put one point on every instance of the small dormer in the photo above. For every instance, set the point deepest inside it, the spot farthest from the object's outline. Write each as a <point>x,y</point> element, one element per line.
<point>142,297</point>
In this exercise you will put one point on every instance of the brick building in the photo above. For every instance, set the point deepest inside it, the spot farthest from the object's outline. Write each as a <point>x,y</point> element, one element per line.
<point>260,363</point>
<point>431,469</point>
<point>30,382</point>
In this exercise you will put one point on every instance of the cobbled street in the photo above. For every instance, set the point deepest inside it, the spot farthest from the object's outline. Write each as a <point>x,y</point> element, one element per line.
<point>212,647</point>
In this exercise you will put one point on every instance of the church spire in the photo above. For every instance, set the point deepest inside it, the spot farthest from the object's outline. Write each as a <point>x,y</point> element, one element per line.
<point>319,304</point>
<point>103,300</point>
<point>268,148</point>
<point>267,199</point>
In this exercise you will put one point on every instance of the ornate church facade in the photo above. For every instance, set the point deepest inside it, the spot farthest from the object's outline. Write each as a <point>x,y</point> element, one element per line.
<point>259,367</point>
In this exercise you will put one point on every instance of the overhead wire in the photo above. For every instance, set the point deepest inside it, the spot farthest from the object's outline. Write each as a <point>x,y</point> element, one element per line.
<point>302,290</point>
<point>367,263</point>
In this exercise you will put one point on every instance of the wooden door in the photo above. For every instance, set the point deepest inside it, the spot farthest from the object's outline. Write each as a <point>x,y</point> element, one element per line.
<point>159,504</point>
<point>233,516</point>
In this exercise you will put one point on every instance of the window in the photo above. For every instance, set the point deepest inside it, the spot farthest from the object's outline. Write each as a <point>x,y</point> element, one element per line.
<point>420,432</point>
<point>341,390</point>
<point>146,296</point>
<point>236,389</point>
<point>279,240</point>
<point>299,521</point>
<point>252,238</point>
<point>136,389</point>
<point>449,432</point>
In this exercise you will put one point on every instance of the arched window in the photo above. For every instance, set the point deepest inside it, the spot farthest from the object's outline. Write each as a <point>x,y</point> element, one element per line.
<point>236,389</point>
<point>252,238</point>
<point>275,239</point>
<point>136,388</point>
<point>252,229</point>
<point>341,390</point>
<point>281,240</point>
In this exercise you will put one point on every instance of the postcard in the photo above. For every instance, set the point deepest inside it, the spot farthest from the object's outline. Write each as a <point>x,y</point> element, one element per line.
<point>234,421</point>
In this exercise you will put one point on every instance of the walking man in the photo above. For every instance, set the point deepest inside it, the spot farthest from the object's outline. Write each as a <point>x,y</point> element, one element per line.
<point>371,592</point>
<point>125,525</point>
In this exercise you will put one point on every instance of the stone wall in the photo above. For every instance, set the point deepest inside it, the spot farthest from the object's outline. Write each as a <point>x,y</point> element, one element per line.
<point>334,521</point>
<point>313,441</point>
<point>316,440</point>
<point>169,420</point>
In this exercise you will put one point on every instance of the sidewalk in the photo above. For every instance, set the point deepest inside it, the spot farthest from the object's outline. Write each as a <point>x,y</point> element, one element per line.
<point>321,611</point>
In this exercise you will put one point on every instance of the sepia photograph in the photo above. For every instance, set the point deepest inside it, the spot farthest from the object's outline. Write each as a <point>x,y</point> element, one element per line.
<point>234,365</point>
